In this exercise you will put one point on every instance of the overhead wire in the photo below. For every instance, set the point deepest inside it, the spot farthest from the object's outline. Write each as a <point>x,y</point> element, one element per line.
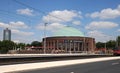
<point>40,11</point>
<point>26,5</point>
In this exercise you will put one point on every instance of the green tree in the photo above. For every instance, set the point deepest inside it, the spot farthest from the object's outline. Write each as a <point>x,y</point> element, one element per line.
<point>111,44</point>
<point>21,45</point>
<point>36,43</point>
<point>118,41</point>
<point>100,45</point>
<point>6,46</point>
<point>0,44</point>
<point>28,45</point>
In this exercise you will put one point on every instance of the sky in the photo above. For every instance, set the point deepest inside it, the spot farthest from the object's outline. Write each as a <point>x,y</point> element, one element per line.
<point>99,19</point>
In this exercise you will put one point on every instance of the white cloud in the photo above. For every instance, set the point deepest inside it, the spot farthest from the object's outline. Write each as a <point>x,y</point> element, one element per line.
<point>22,40</point>
<point>99,36</point>
<point>16,41</point>
<point>101,25</point>
<point>18,33</point>
<point>18,24</point>
<point>118,30</point>
<point>76,22</point>
<point>95,33</point>
<point>4,25</point>
<point>61,16</point>
<point>106,13</point>
<point>26,11</point>
<point>21,33</point>
<point>51,27</point>
<point>15,25</point>
<point>57,18</point>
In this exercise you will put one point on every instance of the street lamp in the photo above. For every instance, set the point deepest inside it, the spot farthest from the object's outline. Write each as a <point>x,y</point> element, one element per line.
<point>105,41</point>
<point>45,37</point>
<point>117,42</point>
<point>70,46</point>
<point>105,45</point>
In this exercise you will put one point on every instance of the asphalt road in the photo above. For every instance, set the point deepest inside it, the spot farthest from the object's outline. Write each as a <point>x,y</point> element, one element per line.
<point>10,60</point>
<point>112,66</point>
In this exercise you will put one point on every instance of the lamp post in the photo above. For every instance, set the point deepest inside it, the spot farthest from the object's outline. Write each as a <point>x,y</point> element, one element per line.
<point>117,42</point>
<point>70,46</point>
<point>45,37</point>
<point>105,43</point>
<point>84,42</point>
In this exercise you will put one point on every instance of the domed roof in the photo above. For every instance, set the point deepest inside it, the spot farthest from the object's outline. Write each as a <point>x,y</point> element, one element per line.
<point>68,31</point>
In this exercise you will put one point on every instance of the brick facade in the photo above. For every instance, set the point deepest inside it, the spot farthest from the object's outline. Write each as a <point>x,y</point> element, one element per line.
<point>69,44</point>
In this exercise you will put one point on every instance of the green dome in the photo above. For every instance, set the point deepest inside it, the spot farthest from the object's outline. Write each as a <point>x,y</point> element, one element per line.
<point>68,31</point>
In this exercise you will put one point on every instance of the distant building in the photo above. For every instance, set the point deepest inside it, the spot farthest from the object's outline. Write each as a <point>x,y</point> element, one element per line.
<point>7,34</point>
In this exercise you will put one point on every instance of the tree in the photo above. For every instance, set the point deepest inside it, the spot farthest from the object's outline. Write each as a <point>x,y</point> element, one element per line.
<point>28,45</point>
<point>6,46</point>
<point>111,44</point>
<point>36,44</point>
<point>0,44</point>
<point>21,45</point>
<point>100,45</point>
<point>118,41</point>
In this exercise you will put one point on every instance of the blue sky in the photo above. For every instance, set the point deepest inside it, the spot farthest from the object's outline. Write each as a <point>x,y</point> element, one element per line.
<point>99,19</point>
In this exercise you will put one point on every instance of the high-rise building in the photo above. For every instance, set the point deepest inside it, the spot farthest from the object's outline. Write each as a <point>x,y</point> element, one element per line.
<point>7,34</point>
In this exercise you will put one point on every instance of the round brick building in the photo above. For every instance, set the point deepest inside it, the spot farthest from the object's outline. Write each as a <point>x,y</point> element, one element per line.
<point>68,40</point>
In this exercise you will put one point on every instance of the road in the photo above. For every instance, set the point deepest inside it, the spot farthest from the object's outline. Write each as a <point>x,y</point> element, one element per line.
<point>112,66</point>
<point>21,59</point>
